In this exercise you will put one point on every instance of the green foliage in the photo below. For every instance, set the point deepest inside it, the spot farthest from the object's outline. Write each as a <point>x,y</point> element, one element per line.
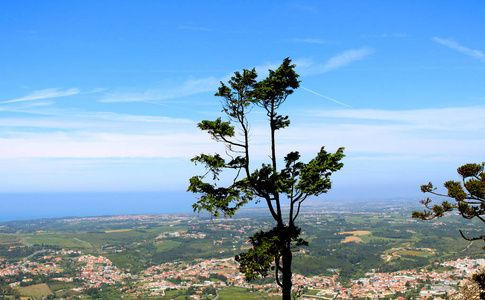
<point>295,181</point>
<point>469,196</point>
<point>209,290</point>
<point>258,260</point>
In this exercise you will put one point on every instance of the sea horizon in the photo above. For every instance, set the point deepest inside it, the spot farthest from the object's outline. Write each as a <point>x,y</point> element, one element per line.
<point>45,205</point>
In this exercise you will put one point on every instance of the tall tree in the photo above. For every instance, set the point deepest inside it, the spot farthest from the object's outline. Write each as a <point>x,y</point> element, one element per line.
<point>288,186</point>
<point>469,196</point>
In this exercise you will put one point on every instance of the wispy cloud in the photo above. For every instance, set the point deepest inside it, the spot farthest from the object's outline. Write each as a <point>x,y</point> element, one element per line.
<point>45,94</point>
<point>189,87</point>
<point>110,116</point>
<point>456,46</point>
<point>312,41</point>
<point>302,8</point>
<point>96,90</point>
<point>194,28</point>
<point>81,117</point>
<point>386,35</point>
<point>346,58</point>
<point>309,67</point>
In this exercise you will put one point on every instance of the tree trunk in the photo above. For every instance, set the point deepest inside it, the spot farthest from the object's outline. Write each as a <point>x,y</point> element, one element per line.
<point>287,283</point>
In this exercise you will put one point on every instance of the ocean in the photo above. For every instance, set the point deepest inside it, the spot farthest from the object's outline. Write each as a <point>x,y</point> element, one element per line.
<point>23,206</point>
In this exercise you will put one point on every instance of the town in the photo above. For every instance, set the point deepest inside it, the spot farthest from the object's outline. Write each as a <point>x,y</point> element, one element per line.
<point>198,275</point>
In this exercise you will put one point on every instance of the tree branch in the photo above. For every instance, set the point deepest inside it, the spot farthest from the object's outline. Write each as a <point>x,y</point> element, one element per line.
<point>299,206</point>
<point>471,239</point>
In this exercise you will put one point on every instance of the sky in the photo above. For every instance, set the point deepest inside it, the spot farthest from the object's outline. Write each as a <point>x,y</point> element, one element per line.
<point>105,96</point>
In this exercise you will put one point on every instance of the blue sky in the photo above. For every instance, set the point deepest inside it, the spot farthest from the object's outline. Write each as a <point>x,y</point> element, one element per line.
<point>104,96</point>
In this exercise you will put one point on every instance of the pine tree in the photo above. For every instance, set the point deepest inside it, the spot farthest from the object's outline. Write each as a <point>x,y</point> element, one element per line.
<point>290,185</point>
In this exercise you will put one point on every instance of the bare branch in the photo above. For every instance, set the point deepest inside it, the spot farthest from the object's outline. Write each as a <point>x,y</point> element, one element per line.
<point>471,239</point>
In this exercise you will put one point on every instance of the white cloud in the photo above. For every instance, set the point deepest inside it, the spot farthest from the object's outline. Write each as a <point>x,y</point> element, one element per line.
<point>411,134</point>
<point>392,139</point>
<point>46,94</point>
<point>456,46</point>
<point>447,119</point>
<point>103,145</point>
<point>452,134</point>
<point>382,141</point>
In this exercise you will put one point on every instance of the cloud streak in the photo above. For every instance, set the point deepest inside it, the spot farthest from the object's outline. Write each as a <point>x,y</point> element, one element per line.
<point>45,94</point>
<point>456,46</point>
<point>328,98</point>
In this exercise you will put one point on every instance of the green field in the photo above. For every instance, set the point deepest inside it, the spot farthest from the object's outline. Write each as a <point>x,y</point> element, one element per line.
<point>57,239</point>
<point>88,240</point>
<point>229,293</point>
<point>56,286</point>
<point>167,245</point>
<point>37,291</point>
<point>167,228</point>
<point>9,239</point>
<point>237,293</point>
